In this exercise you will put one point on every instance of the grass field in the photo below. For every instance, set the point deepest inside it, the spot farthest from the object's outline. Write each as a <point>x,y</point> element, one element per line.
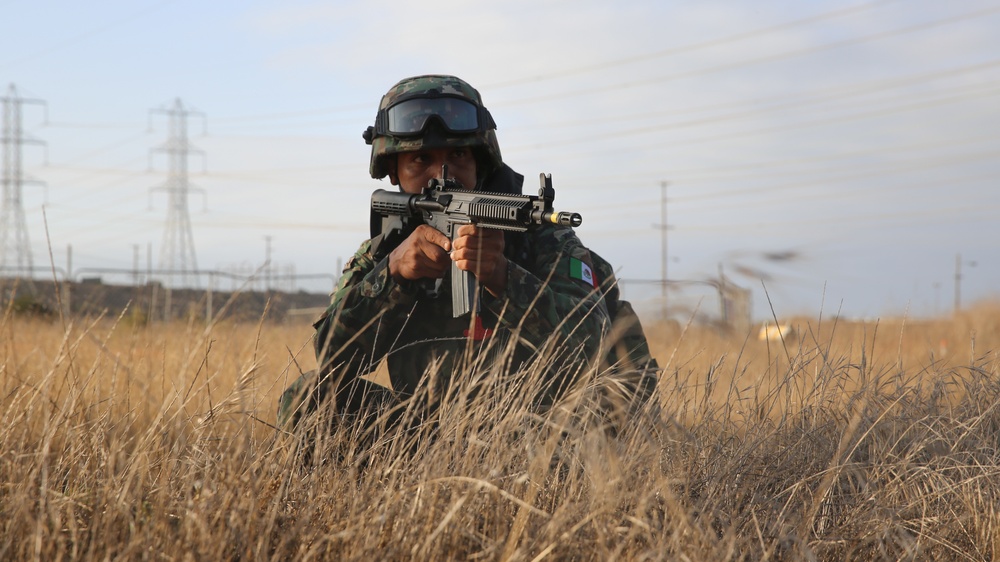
<point>848,441</point>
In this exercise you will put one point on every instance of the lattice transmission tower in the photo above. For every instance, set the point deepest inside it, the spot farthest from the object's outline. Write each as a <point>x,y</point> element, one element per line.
<point>177,251</point>
<point>15,249</point>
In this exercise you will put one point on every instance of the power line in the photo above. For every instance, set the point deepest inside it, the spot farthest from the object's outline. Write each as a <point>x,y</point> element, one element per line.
<point>911,166</point>
<point>879,112</point>
<point>116,144</point>
<point>866,191</point>
<point>289,114</point>
<point>967,214</point>
<point>731,172</point>
<point>964,215</point>
<point>249,118</point>
<point>96,126</point>
<point>623,85</point>
<point>738,172</point>
<point>86,34</point>
<point>745,108</point>
<point>688,48</point>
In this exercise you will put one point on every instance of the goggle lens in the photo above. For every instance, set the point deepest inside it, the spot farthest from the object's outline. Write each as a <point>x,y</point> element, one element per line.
<point>411,116</point>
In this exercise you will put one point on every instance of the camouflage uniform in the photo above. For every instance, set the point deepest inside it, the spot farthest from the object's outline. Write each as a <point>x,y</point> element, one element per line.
<point>376,323</point>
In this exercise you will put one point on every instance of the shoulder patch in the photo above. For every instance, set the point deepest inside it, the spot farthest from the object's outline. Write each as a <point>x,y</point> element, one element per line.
<point>580,270</point>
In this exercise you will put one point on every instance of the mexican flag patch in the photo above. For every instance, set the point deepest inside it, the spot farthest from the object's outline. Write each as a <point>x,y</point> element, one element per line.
<point>582,271</point>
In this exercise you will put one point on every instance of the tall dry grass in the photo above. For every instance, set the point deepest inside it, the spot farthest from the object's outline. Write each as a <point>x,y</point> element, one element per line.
<point>873,441</point>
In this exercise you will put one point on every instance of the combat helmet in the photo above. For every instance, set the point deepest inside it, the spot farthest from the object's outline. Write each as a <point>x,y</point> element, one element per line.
<point>432,111</point>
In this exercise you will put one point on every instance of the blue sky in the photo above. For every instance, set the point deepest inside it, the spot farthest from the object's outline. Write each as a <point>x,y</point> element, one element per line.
<point>838,154</point>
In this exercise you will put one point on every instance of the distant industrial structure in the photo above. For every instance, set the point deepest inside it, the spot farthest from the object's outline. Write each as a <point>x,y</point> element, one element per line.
<point>15,248</point>
<point>177,251</point>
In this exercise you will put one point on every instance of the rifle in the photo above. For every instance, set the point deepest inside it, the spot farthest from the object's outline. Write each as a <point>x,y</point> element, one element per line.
<point>446,205</point>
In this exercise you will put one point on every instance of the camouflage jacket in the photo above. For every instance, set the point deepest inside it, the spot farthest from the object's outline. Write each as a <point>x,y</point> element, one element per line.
<point>375,323</point>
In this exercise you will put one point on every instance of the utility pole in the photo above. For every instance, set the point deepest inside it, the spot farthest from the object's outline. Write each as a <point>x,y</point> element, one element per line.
<point>151,314</point>
<point>177,252</point>
<point>67,308</point>
<point>15,250</point>
<point>958,281</point>
<point>267,263</point>
<point>937,298</point>
<point>663,227</point>
<point>135,265</point>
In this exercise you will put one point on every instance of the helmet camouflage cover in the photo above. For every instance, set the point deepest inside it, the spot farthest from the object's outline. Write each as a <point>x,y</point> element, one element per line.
<point>384,143</point>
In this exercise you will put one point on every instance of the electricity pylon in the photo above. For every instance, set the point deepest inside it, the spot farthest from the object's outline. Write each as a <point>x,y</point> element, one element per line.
<point>177,252</point>
<point>15,250</point>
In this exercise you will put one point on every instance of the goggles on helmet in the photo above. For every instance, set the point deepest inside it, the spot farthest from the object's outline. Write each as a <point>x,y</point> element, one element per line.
<point>411,117</point>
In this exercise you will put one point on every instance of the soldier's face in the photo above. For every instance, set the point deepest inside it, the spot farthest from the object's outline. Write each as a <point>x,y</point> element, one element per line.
<point>415,169</point>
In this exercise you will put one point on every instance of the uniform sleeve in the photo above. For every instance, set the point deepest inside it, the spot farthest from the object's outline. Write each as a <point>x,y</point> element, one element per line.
<point>553,297</point>
<point>346,335</point>
<point>367,302</point>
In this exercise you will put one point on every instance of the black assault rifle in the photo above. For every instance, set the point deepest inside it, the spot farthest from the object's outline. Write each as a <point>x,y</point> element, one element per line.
<point>445,205</point>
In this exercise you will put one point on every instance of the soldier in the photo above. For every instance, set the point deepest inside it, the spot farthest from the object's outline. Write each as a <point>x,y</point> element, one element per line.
<point>541,287</point>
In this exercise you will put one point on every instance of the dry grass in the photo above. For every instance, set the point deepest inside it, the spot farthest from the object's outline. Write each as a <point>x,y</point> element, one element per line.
<point>850,442</point>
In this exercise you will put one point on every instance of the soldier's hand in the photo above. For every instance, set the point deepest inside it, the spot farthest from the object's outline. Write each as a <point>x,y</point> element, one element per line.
<point>424,254</point>
<point>480,251</point>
